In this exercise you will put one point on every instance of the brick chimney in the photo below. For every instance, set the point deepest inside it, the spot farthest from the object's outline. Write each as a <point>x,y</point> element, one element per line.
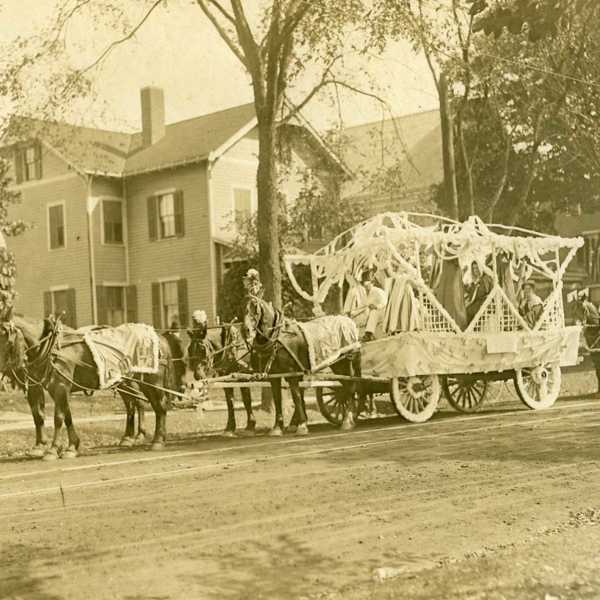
<point>153,115</point>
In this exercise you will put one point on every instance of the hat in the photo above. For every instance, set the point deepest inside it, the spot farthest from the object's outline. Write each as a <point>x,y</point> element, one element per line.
<point>251,274</point>
<point>199,316</point>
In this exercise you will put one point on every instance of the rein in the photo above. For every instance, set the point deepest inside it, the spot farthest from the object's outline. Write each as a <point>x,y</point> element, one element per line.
<point>42,361</point>
<point>272,340</point>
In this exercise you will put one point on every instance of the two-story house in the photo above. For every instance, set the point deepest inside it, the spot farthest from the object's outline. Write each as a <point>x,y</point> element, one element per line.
<point>135,227</point>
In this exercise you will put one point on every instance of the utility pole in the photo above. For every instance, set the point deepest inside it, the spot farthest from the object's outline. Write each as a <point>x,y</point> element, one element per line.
<point>448,146</point>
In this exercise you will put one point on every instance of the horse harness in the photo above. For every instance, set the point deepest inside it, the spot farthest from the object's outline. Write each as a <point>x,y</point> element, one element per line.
<point>273,340</point>
<point>218,360</point>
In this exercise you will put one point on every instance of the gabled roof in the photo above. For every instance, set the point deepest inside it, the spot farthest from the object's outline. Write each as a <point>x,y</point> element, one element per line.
<point>412,142</point>
<point>116,154</point>
<point>85,149</point>
<point>189,141</point>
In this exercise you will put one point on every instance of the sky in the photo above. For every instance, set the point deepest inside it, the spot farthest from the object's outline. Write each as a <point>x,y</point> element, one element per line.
<point>178,50</point>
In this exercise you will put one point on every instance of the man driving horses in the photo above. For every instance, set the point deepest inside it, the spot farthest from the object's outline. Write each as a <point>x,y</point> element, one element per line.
<point>373,307</point>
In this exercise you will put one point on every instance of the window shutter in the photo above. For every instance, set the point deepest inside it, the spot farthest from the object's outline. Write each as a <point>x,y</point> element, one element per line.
<point>156,311</point>
<point>47,304</point>
<point>71,318</point>
<point>19,166</point>
<point>101,305</point>
<point>38,161</point>
<point>182,300</point>
<point>179,214</point>
<point>131,301</point>
<point>152,217</point>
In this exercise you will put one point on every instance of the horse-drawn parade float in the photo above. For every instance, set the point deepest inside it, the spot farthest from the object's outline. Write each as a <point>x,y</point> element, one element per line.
<point>458,315</point>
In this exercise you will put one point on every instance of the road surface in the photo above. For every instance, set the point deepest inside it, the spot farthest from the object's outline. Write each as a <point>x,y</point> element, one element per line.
<point>502,504</point>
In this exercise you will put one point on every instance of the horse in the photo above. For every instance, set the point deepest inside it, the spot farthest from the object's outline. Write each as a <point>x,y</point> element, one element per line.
<point>586,313</point>
<point>220,351</point>
<point>279,346</point>
<point>46,355</point>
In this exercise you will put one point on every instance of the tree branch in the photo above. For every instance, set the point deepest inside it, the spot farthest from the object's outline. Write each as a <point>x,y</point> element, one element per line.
<point>220,8</point>
<point>222,32</point>
<point>323,83</point>
<point>124,39</point>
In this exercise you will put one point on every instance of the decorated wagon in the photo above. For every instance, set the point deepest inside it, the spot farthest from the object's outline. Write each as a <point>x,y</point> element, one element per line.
<point>428,343</point>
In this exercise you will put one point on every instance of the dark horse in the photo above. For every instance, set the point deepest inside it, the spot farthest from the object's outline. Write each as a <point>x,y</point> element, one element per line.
<point>43,355</point>
<point>220,351</point>
<point>278,346</point>
<point>589,316</point>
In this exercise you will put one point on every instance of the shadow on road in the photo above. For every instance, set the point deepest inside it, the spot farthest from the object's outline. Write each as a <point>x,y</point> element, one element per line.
<point>22,578</point>
<point>280,568</point>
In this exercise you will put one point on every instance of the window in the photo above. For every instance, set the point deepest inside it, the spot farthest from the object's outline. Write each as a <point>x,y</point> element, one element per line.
<point>56,226</point>
<point>112,211</point>
<point>170,303</point>
<point>28,163</point>
<point>115,305</point>
<point>165,215</point>
<point>242,206</point>
<point>61,302</point>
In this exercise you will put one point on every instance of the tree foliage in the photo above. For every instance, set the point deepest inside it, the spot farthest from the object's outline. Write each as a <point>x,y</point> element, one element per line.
<point>541,18</point>
<point>311,219</point>
<point>525,112</point>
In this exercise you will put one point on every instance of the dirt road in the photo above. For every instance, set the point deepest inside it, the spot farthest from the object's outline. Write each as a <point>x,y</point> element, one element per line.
<point>503,504</point>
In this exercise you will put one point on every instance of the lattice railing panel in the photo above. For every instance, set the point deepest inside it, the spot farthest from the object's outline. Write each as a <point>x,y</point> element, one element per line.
<point>433,319</point>
<point>553,316</point>
<point>497,315</point>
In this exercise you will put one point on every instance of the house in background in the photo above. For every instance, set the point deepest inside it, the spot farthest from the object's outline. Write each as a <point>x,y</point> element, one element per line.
<point>136,227</point>
<point>395,162</point>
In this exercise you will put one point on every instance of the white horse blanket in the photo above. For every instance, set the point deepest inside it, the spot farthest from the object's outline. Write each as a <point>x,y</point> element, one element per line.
<point>123,350</point>
<point>328,339</point>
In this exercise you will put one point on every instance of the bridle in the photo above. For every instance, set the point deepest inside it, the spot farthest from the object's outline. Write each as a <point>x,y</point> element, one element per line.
<point>215,359</point>
<point>34,365</point>
<point>266,351</point>
<point>257,318</point>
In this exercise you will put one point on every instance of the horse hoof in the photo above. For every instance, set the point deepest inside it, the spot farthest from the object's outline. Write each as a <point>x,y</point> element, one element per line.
<point>69,453</point>
<point>157,446</point>
<point>126,442</point>
<point>51,454</point>
<point>291,429</point>
<point>37,451</point>
<point>276,432</point>
<point>140,438</point>
<point>228,434</point>
<point>302,429</point>
<point>347,425</point>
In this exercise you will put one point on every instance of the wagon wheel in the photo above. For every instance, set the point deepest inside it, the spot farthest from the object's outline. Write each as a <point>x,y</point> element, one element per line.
<point>538,387</point>
<point>416,398</point>
<point>465,393</point>
<point>331,404</point>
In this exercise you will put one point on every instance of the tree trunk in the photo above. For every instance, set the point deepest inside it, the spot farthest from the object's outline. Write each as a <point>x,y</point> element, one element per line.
<point>448,147</point>
<point>268,213</point>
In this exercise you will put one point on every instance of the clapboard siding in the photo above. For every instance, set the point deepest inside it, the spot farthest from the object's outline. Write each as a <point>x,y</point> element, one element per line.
<point>39,268</point>
<point>186,257</point>
<point>228,174</point>
<point>109,259</point>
